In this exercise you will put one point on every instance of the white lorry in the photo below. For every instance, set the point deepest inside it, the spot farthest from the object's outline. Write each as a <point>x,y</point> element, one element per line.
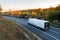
<point>39,23</point>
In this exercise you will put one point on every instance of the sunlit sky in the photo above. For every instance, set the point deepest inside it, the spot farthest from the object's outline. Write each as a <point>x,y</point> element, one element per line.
<point>28,4</point>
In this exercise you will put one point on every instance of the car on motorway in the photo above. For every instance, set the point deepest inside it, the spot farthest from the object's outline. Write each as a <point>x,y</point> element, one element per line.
<point>39,23</point>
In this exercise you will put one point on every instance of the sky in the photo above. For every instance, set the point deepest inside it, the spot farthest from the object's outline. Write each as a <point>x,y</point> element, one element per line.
<point>27,4</point>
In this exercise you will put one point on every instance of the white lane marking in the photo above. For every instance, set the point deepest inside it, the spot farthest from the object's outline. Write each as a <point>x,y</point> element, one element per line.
<point>55,28</point>
<point>54,32</point>
<point>49,35</point>
<point>38,38</point>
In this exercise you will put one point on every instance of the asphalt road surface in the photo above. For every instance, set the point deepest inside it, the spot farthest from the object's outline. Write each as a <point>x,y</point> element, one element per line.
<point>52,34</point>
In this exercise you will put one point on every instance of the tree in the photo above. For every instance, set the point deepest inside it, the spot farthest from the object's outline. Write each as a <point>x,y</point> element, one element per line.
<point>52,12</point>
<point>58,7</point>
<point>54,16</point>
<point>0,11</point>
<point>39,13</point>
<point>49,10</point>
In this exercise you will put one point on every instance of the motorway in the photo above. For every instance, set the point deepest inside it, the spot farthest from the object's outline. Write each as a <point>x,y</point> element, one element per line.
<point>52,34</point>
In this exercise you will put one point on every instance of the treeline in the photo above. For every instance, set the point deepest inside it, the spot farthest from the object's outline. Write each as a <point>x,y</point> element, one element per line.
<point>53,13</point>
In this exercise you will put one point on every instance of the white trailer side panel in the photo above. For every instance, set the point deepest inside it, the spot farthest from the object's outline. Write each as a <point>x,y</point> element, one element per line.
<point>36,23</point>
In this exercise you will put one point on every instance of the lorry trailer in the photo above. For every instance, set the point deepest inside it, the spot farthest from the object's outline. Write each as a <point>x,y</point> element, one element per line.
<point>39,23</point>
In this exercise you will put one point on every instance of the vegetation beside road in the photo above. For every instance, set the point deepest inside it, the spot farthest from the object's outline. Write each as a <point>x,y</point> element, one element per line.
<point>9,31</point>
<point>56,24</point>
<point>51,14</point>
<point>54,18</point>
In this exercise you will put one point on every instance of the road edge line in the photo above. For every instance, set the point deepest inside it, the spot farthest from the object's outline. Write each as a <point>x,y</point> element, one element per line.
<point>38,38</point>
<point>55,28</point>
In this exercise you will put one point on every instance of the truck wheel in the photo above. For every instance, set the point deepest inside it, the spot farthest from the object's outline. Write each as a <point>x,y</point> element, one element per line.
<point>46,29</point>
<point>29,23</point>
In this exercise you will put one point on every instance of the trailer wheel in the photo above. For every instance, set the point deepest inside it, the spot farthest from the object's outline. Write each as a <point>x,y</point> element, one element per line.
<point>47,28</point>
<point>29,23</point>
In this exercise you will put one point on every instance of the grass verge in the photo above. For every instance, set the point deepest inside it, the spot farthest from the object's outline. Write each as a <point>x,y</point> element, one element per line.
<point>9,31</point>
<point>56,24</point>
